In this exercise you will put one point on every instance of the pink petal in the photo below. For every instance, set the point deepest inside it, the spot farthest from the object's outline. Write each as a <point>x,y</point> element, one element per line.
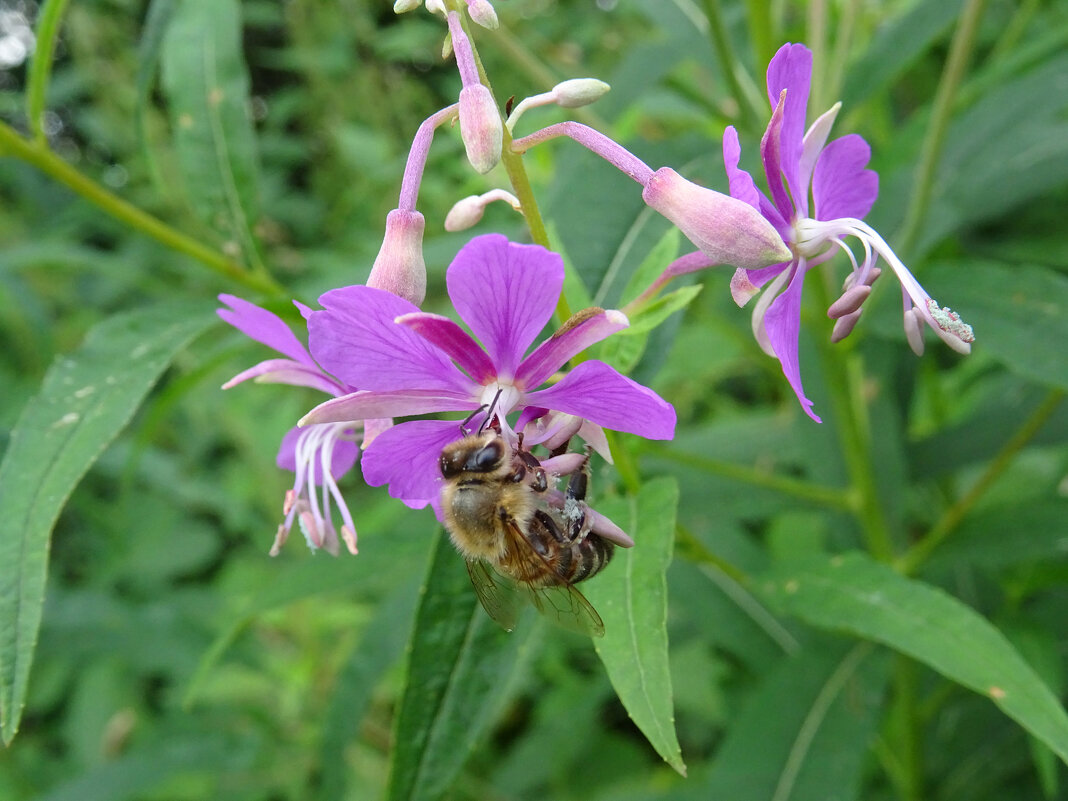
<point>356,339</point>
<point>365,405</point>
<point>408,457</point>
<point>506,294</point>
<point>573,337</point>
<point>453,340</point>
<point>841,186</point>
<point>287,371</point>
<point>782,322</point>
<point>598,393</point>
<point>264,327</point>
<point>342,459</point>
<point>791,69</point>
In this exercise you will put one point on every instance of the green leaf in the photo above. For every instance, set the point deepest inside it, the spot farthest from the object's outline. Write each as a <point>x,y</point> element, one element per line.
<point>660,309</point>
<point>85,401</point>
<point>852,593</point>
<point>461,667</point>
<point>660,256</point>
<point>1019,313</point>
<point>380,645</point>
<point>207,87</point>
<point>807,727</point>
<point>631,596</point>
<point>1000,537</point>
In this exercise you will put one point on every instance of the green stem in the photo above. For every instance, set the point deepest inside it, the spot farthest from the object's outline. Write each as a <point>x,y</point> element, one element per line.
<point>845,383</point>
<point>51,165</point>
<point>695,551</point>
<point>41,67</point>
<point>816,494</point>
<point>758,13</point>
<point>729,64</point>
<point>908,729</point>
<point>952,517</point>
<point>959,54</point>
<point>816,25</point>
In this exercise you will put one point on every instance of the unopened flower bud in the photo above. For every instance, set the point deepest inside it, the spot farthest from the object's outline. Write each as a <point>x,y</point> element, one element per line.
<point>402,6</point>
<point>480,127</point>
<point>468,211</point>
<point>726,230</point>
<point>869,277</point>
<point>399,267</point>
<point>844,325</point>
<point>849,302</point>
<point>579,92</point>
<point>482,13</point>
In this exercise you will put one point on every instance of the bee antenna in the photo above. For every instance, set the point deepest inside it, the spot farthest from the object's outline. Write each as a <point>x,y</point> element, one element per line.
<point>463,426</point>
<point>489,412</point>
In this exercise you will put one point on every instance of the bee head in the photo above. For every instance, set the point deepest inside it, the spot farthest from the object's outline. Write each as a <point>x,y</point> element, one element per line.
<point>480,453</point>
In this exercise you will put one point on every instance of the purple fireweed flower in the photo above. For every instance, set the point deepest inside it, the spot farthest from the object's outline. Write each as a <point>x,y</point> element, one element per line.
<point>409,362</point>
<point>843,191</point>
<point>318,455</point>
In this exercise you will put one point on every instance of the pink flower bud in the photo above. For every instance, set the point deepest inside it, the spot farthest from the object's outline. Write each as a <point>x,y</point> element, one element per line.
<point>480,127</point>
<point>844,326</point>
<point>726,230</point>
<point>464,213</point>
<point>482,13</point>
<point>399,267</point>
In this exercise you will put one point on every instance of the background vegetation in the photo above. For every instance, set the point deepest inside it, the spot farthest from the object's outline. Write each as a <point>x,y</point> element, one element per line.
<point>837,591</point>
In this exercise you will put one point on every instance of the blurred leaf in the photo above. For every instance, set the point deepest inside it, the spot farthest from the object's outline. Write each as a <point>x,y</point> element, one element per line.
<point>207,88</point>
<point>983,172</point>
<point>632,600</point>
<point>157,20</point>
<point>852,593</point>
<point>381,644</point>
<point>1013,535</point>
<point>897,45</point>
<point>461,667</point>
<point>1020,313</point>
<point>662,254</point>
<point>131,775</point>
<point>85,401</point>
<point>805,731</point>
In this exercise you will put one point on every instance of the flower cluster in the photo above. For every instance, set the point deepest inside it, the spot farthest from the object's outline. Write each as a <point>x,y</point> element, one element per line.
<point>381,359</point>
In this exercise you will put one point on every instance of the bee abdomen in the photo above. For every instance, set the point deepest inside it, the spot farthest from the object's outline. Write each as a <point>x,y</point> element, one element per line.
<point>586,558</point>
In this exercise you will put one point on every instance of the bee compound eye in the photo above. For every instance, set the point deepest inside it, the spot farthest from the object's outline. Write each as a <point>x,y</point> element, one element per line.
<point>449,468</point>
<point>486,458</point>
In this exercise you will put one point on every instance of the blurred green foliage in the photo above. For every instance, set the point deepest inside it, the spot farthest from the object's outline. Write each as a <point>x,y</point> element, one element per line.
<point>176,661</point>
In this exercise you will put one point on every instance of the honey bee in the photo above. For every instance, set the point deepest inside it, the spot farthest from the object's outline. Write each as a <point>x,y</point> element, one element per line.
<point>520,539</point>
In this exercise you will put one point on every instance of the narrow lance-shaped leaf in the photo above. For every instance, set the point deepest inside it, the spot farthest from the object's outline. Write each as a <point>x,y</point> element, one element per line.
<point>460,670</point>
<point>85,401</point>
<point>853,593</point>
<point>207,87</point>
<point>631,595</point>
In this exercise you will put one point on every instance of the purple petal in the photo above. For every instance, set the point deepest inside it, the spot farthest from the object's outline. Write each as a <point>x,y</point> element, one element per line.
<point>447,335</point>
<point>356,339</point>
<point>287,371</point>
<point>408,458</point>
<point>506,293</point>
<point>771,155</point>
<point>740,182</point>
<point>365,405</point>
<point>841,187</point>
<point>597,392</point>
<point>791,69</point>
<point>263,326</point>
<point>574,336</point>
<point>782,322</point>
<point>342,459</point>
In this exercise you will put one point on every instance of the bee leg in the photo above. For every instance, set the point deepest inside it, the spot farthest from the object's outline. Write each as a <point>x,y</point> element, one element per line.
<point>574,504</point>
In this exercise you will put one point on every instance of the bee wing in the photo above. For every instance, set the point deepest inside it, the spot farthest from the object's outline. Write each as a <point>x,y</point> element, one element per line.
<point>499,597</point>
<point>560,603</point>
